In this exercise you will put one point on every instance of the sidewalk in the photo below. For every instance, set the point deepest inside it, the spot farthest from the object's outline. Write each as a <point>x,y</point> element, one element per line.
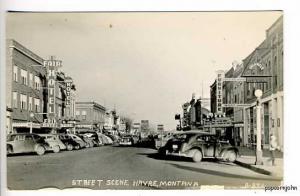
<point>266,168</point>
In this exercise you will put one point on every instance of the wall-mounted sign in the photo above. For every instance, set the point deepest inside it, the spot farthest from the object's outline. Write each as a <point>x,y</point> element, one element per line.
<point>259,65</point>
<point>219,90</point>
<point>257,79</point>
<point>234,79</point>
<point>50,123</point>
<point>235,105</point>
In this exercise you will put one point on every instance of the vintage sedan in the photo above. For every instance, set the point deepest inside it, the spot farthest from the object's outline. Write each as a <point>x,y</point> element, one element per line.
<point>126,140</point>
<point>198,145</point>
<point>26,143</point>
<point>56,145</point>
<point>70,142</point>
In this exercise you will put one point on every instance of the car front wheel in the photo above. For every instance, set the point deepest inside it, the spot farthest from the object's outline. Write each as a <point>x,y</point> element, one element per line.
<point>56,149</point>
<point>77,147</point>
<point>40,150</point>
<point>197,156</point>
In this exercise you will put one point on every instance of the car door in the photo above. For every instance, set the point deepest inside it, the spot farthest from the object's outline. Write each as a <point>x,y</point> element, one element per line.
<point>209,146</point>
<point>18,143</point>
<point>29,143</point>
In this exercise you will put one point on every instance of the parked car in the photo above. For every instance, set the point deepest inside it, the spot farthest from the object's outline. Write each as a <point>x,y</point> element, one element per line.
<point>25,143</point>
<point>114,138</point>
<point>105,139</point>
<point>161,140</point>
<point>198,145</point>
<point>55,144</point>
<point>70,142</point>
<point>76,138</point>
<point>88,141</point>
<point>95,138</point>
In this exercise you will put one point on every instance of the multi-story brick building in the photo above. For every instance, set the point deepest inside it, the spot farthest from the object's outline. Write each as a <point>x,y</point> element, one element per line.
<point>27,87</point>
<point>265,68</point>
<point>266,60</point>
<point>25,79</point>
<point>90,115</point>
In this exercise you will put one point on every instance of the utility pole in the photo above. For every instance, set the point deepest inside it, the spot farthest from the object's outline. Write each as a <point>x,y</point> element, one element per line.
<point>258,94</point>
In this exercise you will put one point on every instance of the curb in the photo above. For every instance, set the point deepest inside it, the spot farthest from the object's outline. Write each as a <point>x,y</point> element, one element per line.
<point>253,168</point>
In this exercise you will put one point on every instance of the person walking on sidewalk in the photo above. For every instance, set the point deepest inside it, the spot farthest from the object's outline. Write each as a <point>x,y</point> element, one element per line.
<point>273,147</point>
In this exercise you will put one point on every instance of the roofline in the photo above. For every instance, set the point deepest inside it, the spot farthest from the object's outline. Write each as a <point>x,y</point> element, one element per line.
<point>27,52</point>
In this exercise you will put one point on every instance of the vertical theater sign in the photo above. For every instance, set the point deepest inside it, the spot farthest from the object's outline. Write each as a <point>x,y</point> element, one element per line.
<point>51,67</point>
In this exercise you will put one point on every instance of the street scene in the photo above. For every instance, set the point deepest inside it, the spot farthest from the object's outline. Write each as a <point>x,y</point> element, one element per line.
<point>141,100</point>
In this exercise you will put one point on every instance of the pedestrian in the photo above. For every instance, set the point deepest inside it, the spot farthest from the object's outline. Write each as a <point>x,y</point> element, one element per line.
<point>273,147</point>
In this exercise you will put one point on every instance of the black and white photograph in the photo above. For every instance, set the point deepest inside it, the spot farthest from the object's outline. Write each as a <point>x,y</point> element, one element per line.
<point>145,100</point>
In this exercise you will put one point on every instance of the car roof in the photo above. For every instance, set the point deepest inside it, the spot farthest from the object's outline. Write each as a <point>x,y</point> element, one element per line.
<point>200,132</point>
<point>22,134</point>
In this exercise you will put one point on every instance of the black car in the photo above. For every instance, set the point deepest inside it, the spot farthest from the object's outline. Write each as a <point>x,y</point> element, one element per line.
<point>69,142</point>
<point>198,145</point>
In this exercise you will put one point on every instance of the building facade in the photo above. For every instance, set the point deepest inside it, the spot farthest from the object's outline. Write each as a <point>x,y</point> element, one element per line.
<point>25,95</point>
<point>262,69</point>
<point>266,60</point>
<point>90,115</point>
<point>28,96</point>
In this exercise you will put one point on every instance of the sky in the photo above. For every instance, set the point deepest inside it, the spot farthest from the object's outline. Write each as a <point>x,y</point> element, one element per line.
<point>143,64</point>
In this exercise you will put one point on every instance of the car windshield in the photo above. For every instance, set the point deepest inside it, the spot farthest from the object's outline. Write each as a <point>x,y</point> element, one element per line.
<point>11,138</point>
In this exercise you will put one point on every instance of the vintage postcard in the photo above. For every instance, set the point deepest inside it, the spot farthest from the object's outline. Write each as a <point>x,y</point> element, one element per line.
<point>145,100</point>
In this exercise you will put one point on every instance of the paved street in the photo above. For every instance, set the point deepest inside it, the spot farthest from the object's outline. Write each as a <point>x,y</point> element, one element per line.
<point>126,166</point>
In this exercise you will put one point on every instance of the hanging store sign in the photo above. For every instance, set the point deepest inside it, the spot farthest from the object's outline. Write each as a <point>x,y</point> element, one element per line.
<point>51,66</point>
<point>219,90</point>
<point>68,91</point>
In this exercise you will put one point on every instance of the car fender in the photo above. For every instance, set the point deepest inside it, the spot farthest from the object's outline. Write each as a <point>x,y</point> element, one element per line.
<point>190,152</point>
<point>228,149</point>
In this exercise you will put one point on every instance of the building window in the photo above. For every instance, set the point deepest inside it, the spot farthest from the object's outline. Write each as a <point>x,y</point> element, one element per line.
<point>15,73</point>
<point>37,105</point>
<point>83,113</point>
<point>24,77</point>
<point>59,111</point>
<point>31,80</point>
<point>23,101</point>
<point>30,103</point>
<point>15,99</point>
<point>37,83</point>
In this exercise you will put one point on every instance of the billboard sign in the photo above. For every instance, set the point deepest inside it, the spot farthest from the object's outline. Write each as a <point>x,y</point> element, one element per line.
<point>144,125</point>
<point>160,127</point>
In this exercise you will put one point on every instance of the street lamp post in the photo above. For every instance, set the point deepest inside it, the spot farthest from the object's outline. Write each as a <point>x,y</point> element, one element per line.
<point>31,124</point>
<point>258,94</point>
